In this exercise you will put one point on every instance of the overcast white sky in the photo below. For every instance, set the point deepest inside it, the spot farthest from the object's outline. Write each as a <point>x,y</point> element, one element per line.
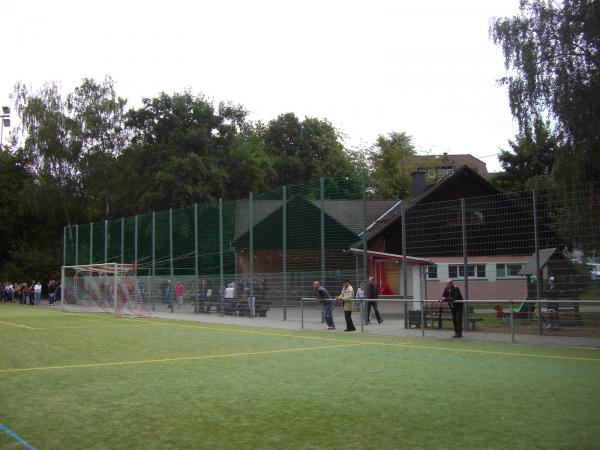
<point>372,67</point>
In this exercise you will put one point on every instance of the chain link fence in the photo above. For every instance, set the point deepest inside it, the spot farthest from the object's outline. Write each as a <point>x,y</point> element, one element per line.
<point>526,262</point>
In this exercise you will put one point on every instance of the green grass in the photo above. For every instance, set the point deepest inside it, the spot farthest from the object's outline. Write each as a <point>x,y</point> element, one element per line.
<point>192,385</point>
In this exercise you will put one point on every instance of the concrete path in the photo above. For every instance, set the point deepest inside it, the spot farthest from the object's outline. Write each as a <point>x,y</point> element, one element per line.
<point>311,320</point>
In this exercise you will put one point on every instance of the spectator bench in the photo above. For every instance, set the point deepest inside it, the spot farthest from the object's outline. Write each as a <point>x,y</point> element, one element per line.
<point>432,319</point>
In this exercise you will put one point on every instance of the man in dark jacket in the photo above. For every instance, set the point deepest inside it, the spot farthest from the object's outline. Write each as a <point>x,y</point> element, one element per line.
<point>373,293</point>
<point>323,297</point>
<point>451,295</point>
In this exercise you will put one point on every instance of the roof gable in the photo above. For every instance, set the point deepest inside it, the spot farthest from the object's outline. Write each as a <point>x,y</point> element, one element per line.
<point>463,183</point>
<point>301,215</point>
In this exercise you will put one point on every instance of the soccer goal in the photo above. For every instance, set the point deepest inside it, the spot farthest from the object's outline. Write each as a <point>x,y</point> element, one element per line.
<point>109,288</point>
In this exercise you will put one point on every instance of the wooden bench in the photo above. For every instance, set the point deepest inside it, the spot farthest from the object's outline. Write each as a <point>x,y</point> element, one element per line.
<point>432,317</point>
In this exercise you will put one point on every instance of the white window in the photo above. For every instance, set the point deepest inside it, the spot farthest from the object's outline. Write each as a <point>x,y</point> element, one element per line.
<point>456,271</point>
<point>508,270</point>
<point>432,272</point>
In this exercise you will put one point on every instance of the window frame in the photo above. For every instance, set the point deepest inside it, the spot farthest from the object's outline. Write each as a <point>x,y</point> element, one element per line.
<point>506,275</point>
<point>473,274</point>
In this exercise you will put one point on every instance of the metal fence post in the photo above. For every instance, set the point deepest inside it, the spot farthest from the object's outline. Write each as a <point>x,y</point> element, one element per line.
<point>463,219</point>
<point>62,282</point>
<point>302,313</point>
<point>538,272</point>
<point>404,274</point>
<point>122,240</point>
<point>64,250</point>
<point>76,244</point>
<point>251,252</point>
<point>91,243</point>
<point>222,286</point>
<point>512,323</point>
<point>196,241</point>
<point>115,291</point>
<point>322,202</point>
<point>284,242</point>
<point>150,282</point>
<point>135,243</point>
<point>105,241</point>
<point>365,252</point>
<point>171,241</point>
<point>423,297</point>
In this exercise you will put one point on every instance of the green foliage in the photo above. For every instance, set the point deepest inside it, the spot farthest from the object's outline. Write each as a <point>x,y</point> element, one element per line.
<point>554,50</point>
<point>391,166</point>
<point>12,178</point>
<point>530,161</point>
<point>305,150</point>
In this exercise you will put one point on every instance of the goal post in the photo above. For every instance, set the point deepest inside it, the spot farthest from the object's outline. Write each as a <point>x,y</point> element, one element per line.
<point>107,288</point>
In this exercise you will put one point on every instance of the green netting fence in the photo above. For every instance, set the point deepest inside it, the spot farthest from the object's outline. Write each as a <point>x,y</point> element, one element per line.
<point>287,236</point>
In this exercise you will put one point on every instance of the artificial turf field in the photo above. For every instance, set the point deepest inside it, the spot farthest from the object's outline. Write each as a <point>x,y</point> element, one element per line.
<point>74,381</point>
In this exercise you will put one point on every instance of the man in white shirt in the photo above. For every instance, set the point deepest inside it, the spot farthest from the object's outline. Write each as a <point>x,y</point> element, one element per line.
<point>37,293</point>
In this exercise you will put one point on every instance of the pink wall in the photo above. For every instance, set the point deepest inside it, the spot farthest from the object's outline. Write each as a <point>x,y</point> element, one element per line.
<point>483,289</point>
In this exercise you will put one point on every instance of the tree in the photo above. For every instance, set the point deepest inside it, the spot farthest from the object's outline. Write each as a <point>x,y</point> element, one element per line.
<point>305,150</point>
<point>392,165</point>
<point>554,50</point>
<point>12,178</point>
<point>186,150</point>
<point>530,162</point>
<point>50,151</point>
<point>99,118</point>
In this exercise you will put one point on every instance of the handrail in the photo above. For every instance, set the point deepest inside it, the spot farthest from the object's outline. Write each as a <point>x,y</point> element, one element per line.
<point>491,302</point>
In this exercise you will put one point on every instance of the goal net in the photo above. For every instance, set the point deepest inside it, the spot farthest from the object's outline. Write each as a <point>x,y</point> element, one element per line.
<point>110,288</point>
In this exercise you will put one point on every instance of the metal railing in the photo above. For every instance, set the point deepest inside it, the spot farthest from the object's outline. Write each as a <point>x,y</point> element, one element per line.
<point>509,318</point>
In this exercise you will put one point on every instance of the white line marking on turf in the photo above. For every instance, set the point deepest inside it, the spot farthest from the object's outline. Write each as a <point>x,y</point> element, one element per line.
<point>17,325</point>
<point>183,358</point>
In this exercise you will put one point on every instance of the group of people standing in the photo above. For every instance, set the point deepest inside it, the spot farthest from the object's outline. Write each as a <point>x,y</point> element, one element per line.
<point>451,296</point>
<point>242,303</point>
<point>347,298</point>
<point>30,294</point>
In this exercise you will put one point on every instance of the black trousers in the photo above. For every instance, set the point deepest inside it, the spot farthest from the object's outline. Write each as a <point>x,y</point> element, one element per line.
<point>457,317</point>
<point>374,306</point>
<point>349,323</point>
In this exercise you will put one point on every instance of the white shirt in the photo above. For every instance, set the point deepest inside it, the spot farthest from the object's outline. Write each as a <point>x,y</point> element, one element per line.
<point>37,288</point>
<point>229,292</point>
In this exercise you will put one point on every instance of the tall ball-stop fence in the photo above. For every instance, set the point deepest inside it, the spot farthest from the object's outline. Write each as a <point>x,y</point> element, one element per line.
<point>526,262</point>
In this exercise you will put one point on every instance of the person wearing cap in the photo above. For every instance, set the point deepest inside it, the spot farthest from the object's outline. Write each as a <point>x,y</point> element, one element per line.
<point>451,295</point>
<point>346,297</point>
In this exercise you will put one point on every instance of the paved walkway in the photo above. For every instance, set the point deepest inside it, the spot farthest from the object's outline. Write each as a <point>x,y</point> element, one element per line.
<point>390,327</point>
